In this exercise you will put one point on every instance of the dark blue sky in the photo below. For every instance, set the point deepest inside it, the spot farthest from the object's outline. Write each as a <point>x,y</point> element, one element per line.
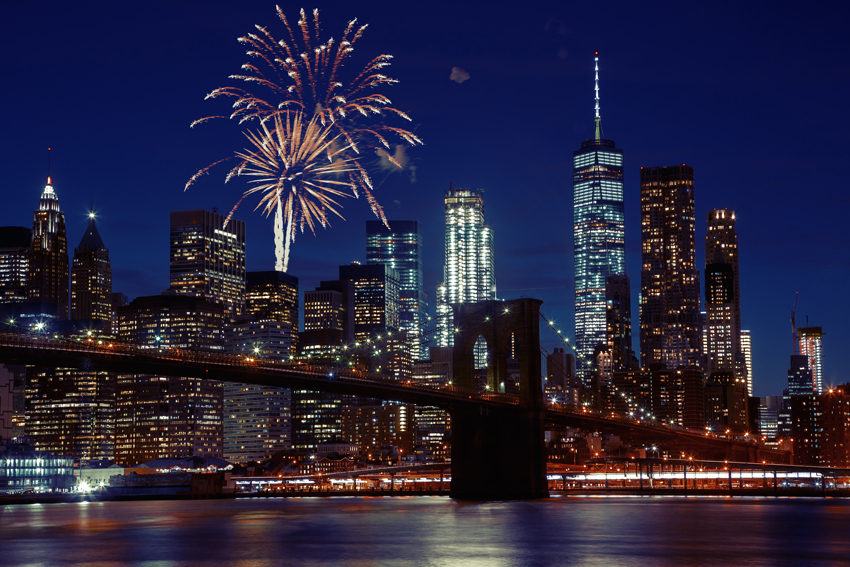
<point>753,95</point>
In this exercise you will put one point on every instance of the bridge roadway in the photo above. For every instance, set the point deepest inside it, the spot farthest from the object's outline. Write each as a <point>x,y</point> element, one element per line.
<point>94,355</point>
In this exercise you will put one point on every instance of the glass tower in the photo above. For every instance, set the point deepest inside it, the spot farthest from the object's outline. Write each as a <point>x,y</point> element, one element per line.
<point>400,248</point>
<point>811,345</point>
<point>598,230</point>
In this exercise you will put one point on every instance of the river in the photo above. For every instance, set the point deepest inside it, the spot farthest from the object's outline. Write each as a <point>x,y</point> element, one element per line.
<point>430,531</point>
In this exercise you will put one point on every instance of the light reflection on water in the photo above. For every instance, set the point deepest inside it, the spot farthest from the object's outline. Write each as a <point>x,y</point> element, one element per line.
<point>429,531</point>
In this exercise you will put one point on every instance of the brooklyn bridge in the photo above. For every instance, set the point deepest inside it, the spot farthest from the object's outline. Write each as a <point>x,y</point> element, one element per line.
<point>498,449</point>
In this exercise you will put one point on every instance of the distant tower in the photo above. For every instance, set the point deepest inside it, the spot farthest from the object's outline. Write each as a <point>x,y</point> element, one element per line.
<point>811,345</point>
<point>469,273</point>
<point>400,248</point>
<point>598,230</point>
<point>207,259</point>
<point>670,320</point>
<point>723,348</point>
<point>747,351</point>
<point>91,279</point>
<point>47,279</point>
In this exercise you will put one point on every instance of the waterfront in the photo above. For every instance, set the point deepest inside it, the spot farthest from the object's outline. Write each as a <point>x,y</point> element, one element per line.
<point>430,531</point>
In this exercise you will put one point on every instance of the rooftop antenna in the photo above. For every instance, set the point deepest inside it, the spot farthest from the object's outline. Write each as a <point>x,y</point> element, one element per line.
<point>49,181</point>
<point>598,119</point>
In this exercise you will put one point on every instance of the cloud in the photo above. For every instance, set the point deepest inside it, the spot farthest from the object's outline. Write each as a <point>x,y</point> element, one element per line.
<point>401,159</point>
<point>458,75</point>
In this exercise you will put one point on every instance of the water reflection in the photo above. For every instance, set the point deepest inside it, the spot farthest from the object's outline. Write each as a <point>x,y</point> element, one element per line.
<point>429,531</point>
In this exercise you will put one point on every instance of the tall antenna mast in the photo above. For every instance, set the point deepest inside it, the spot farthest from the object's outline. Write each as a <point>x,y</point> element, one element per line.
<point>49,181</point>
<point>598,119</point>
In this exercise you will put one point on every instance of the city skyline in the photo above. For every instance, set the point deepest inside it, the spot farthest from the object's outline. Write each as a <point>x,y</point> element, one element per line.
<point>758,175</point>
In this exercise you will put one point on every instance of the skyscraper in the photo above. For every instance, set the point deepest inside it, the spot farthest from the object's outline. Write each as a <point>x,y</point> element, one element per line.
<point>598,230</point>
<point>207,259</point>
<point>747,351</point>
<point>91,279</point>
<point>15,244</point>
<point>469,273</point>
<point>811,346</point>
<point>723,347</point>
<point>618,321</point>
<point>376,298</point>
<point>670,321</point>
<point>273,296</point>
<point>400,248</point>
<point>47,279</point>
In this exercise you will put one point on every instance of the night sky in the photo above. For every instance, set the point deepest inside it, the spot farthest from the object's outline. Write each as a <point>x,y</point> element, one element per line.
<point>752,95</point>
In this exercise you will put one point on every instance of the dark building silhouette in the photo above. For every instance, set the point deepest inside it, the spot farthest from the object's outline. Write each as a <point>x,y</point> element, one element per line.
<point>670,320</point>
<point>91,279</point>
<point>47,279</point>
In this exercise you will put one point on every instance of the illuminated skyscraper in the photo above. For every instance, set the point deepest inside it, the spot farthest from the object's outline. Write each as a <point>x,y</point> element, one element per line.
<point>598,230</point>
<point>469,273</point>
<point>747,351</point>
<point>670,320</point>
<point>400,248</point>
<point>811,345</point>
<point>91,279</point>
<point>208,260</point>
<point>273,296</point>
<point>15,244</point>
<point>723,341</point>
<point>47,279</point>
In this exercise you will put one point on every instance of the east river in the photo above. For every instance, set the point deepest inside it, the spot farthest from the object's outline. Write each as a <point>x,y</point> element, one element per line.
<point>430,531</point>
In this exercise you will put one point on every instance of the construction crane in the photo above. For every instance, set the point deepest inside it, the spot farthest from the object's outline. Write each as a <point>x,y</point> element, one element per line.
<point>794,341</point>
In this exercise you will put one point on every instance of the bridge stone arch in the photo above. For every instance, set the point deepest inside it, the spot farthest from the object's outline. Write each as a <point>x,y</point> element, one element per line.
<point>497,321</point>
<point>499,453</point>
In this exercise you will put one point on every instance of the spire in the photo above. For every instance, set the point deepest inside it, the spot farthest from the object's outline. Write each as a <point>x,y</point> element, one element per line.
<point>597,119</point>
<point>91,237</point>
<point>49,180</point>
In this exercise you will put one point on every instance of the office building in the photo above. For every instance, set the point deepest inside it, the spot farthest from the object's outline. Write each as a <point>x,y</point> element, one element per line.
<point>376,298</point>
<point>670,320</point>
<point>807,429</point>
<point>723,346</point>
<point>598,231</point>
<point>256,420</point>
<point>373,426</point>
<point>835,413</point>
<point>47,278</point>
<point>747,351</point>
<point>15,244</point>
<point>469,271</point>
<point>768,416</point>
<point>91,279</point>
<point>811,346</point>
<point>399,246</point>
<point>208,259</point>
<point>166,416</point>
<point>273,296</point>
<point>618,321</point>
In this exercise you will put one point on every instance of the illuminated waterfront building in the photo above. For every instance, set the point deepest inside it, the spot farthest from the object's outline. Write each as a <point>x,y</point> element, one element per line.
<point>670,320</point>
<point>162,416</point>
<point>256,420</point>
<point>91,279</point>
<point>835,409</point>
<point>208,260</point>
<point>469,272</point>
<point>400,248</point>
<point>811,346</point>
<point>373,426</point>
<point>47,278</point>
<point>15,243</point>
<point>598,231</point>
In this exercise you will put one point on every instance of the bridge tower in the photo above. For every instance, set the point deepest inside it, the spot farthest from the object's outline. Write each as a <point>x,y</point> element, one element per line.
<point>499,453</point>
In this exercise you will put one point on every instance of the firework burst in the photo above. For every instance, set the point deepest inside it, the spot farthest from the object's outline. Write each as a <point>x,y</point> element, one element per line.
<point>302,77</point>
<point>301,170</point>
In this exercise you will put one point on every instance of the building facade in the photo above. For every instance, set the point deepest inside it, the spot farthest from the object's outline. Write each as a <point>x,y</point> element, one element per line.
<point>598,232</point>
<point>469,271</point>
<point>47,278</point>
<point>15,244</point>
<point>273,296</point>
<point>811,346</point>
<point>208,258</point>
<point>399,246</point>
<point>91,279</point>
<point>670,320</point>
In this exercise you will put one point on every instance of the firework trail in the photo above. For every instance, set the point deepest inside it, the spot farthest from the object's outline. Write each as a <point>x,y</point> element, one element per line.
<point>301,168</point>
<point>302,77</point>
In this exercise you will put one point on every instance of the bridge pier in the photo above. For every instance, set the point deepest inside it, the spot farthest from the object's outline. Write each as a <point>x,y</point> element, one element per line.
<point>498,455</point>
